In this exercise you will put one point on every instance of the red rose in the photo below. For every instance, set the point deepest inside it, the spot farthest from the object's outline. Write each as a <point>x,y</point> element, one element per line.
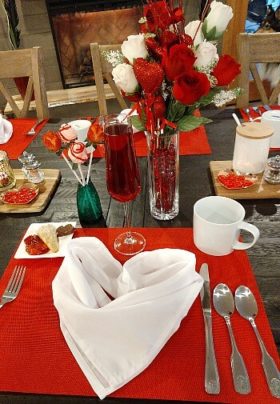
<point>189,87</point>
<point>226,70</point>
<point>52,141</point>
<point>178,61</point>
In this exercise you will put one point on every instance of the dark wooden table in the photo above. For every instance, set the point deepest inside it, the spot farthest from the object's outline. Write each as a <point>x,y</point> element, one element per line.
<point>195,183</point>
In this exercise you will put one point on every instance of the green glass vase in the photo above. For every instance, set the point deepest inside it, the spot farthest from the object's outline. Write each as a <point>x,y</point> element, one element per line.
<point>88,204</point>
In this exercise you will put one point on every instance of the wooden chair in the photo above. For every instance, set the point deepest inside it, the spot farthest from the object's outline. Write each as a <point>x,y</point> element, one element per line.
<point>24,63</point>
<point>253,49</point>
<point>103,70</point>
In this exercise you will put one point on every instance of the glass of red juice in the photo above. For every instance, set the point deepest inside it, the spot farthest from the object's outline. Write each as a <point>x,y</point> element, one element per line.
<point>122,177</point>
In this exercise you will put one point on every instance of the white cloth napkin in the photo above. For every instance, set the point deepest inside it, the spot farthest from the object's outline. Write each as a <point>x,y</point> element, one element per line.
<point>6,130</point>
<point>113,340</point>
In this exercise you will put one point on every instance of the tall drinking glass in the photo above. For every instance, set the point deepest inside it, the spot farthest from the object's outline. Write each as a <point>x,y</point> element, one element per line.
<point>123,177</point>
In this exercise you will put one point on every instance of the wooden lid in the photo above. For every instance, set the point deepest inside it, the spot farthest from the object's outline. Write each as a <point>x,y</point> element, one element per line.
<point>254,130</point>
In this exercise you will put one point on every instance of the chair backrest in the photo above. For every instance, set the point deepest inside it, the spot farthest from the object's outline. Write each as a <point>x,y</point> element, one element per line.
<point>103,70</point>
<point>24,63</point>
<point>253,49</point>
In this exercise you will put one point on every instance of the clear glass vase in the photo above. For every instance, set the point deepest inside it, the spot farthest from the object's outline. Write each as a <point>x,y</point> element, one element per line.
<point>88,204</point>
<point>163,172</point>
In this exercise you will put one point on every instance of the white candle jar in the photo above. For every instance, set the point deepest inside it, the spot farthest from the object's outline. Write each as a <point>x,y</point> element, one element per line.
<point>251,148</point>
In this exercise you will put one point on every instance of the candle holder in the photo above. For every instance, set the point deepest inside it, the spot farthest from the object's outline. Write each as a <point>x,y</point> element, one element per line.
<point>7,177</point>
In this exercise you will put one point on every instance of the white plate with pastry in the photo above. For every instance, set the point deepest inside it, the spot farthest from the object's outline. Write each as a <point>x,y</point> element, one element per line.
<point>47,233</point>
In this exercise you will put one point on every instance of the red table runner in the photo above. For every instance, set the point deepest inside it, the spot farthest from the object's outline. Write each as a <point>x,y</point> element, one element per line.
<point>254,114</point>
<point>36,359</point>
<point>194,142</point>
<point>19,140</point>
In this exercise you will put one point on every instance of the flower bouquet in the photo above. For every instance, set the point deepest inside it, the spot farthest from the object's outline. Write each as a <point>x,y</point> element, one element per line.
<point>76,154</point>
<point>169,71</point>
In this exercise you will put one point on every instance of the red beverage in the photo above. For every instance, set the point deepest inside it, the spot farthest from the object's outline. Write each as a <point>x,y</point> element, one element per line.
<point>123,178</point>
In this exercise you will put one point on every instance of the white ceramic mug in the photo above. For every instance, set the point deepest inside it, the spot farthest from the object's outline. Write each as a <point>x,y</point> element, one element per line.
<point>272,118</point>
<point>217,222</point>
<point>81,127</point>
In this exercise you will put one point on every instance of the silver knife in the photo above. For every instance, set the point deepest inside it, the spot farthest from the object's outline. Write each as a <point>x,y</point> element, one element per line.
<point>212,380</point>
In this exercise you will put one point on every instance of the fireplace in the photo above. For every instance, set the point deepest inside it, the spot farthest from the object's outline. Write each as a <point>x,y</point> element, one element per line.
<point>77,23</point>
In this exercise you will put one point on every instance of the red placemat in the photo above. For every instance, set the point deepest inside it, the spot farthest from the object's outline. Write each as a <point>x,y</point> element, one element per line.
<point>254,114</point>
<point>19,140</point>
<point>194,142</point>
<point>36,359</point>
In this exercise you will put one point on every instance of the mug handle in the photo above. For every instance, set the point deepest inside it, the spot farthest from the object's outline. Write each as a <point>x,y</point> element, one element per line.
<point>238,245</point>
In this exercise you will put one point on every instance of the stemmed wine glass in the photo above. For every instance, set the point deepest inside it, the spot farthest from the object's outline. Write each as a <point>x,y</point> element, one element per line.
<point>122,176</point>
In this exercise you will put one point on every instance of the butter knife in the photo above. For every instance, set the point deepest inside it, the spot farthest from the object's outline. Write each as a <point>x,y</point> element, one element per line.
<point>212,380</point>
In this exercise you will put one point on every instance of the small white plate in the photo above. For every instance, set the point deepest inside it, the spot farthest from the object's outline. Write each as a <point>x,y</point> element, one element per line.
<point>32,229</point>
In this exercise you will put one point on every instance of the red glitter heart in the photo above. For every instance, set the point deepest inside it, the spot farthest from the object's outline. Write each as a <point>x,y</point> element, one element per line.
<point>148,74</point>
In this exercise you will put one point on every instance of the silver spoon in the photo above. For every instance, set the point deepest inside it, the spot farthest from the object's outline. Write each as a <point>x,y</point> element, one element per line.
<point>247,307</point>
<point>224,305</point>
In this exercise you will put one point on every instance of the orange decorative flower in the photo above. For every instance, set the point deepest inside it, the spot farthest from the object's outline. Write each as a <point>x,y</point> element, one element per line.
<point>95,133</point>
<point>52,141</point>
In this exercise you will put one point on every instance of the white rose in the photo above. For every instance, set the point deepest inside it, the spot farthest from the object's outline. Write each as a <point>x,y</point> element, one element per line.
<point>124,78</point>
<point>219,16</point>
<point>206,53</point>
<point>134,47</point>
<point>191,28</point>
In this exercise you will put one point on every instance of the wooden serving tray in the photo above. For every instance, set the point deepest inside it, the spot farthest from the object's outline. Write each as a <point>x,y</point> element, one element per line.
<point>260,190</point>
<point>47,189</point>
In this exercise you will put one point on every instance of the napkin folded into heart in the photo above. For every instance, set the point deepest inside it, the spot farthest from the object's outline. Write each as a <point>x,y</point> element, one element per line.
<point>115,319</point>
<point>6,130</point>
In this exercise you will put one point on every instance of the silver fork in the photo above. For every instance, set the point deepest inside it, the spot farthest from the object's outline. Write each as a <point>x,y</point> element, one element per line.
<point>32,131</point>
<point>14,285</point>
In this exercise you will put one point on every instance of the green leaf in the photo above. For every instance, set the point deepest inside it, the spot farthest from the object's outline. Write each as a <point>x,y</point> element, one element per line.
<point>204,28</point>
<point>206,100</point>
<point>190,122</point>
<point>210,35</point>
<point>175,111</point>
<point>137,122</point>
<point>74,166</point>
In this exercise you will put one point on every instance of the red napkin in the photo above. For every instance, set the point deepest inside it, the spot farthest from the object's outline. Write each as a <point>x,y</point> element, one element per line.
<point>19,140</point>
<point>36,359</point>
<point>194,142</point>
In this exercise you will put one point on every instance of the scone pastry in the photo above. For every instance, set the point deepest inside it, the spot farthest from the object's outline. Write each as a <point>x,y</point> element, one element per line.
<point>48,234</point>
